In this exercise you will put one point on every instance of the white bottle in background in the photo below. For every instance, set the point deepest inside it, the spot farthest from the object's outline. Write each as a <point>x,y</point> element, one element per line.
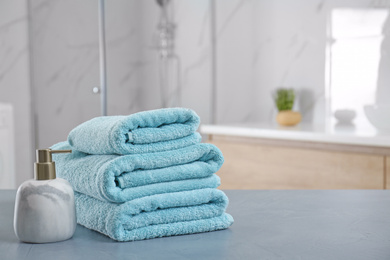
<point>44,207</point>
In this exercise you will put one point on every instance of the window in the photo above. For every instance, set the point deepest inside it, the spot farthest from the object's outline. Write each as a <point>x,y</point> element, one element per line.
<point>354,53</point>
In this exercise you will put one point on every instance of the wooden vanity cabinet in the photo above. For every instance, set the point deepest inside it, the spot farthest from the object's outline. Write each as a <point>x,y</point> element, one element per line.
<point>255,163</point>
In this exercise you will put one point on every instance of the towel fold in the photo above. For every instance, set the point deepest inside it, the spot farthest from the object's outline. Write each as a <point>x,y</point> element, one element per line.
<point>143,132</point>
<point>144,175</point>
<point>122,178</point>
<point>155,216</point>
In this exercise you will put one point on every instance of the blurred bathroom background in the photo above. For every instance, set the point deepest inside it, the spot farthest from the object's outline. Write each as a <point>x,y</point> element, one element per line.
<point>222,58</point>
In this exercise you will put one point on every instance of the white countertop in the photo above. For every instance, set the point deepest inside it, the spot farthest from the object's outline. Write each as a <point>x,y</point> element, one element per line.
<point>333,133</point>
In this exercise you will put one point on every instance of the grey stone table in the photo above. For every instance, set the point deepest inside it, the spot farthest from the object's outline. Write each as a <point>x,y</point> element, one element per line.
<point>290,225</point>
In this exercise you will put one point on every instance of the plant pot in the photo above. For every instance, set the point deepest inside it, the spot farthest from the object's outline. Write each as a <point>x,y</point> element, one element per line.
<point>288,118</point>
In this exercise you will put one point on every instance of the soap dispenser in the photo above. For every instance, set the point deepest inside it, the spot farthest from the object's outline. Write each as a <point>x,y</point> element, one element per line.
<point>44,207</point>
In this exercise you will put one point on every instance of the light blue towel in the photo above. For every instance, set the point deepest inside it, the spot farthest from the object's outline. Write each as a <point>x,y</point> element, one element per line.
<point>160,215</point>
<point>127,177</point>
<point>143,132</point>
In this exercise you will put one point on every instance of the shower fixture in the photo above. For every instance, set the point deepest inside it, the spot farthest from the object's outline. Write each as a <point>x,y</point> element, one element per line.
<point>169,61</point>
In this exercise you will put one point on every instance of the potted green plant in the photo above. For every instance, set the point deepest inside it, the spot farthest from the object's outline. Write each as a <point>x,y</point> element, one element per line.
<point>284,100</point>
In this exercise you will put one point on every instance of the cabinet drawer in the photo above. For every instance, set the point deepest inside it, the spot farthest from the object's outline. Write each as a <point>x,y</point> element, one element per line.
<point>257,166</point>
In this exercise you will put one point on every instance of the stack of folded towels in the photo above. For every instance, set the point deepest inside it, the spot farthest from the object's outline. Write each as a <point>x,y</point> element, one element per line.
<point>144,176</point>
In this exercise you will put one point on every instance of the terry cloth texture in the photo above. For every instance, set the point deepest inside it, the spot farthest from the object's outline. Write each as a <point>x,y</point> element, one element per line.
<point>144,176</point>
<point>122,178</point>
<point>154,216</point>
<point>143,132</point>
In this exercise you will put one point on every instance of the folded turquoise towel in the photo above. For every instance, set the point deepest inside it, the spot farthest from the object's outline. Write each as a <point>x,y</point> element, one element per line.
<point>160,215</point>
<point>127,177</point>
<point>143,132</point>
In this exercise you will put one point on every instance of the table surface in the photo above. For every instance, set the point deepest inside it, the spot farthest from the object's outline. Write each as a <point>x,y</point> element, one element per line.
<point>332,133</point>
<point>295,224</point>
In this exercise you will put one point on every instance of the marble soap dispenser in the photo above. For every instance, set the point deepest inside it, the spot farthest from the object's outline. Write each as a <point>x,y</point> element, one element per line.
<point>44,208</point>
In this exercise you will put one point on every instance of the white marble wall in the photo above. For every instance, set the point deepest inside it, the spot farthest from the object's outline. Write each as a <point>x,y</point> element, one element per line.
<point>15,81</point>
<point>263,45</point>
<point>194,49</point>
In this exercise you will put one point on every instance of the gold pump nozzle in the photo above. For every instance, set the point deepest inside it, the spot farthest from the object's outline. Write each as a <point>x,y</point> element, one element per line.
<point>44,168</point>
